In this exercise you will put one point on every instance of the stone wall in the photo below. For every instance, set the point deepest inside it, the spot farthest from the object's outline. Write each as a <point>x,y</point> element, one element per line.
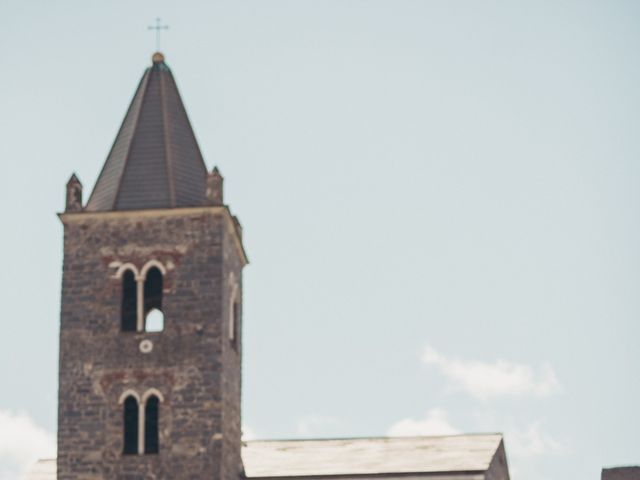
<point>232,358</point>
<point>192,364</point>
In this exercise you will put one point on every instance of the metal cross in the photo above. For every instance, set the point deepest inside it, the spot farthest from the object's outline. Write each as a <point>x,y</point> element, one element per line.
<point>157,27</point>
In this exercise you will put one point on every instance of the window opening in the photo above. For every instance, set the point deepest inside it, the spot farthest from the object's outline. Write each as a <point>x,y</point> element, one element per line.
<point>130,426</point>
<point>235,320</point>
<point>151,414</point>
<point>154,321</point>
<point>129,295</point>
<point>153,290</point>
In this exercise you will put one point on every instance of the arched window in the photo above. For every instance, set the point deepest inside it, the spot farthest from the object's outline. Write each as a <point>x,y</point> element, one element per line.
<point>235,322</point>
<point>129,294</point>
<point>131,413</point>
<point>151,417</point>
<point>234,316</point>
<point>141,307</point>
<point>153,290</point>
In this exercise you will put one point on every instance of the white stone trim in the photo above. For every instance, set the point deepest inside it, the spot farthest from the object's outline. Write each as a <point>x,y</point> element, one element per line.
<point>127,266</point>
<point>141,431</point>
<point>149,393</point>
<point>150,264</point>
<point>128,393</point>
<point>140,304</point>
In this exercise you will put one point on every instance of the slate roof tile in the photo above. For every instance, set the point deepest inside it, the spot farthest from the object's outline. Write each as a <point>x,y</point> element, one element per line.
<point>155,160</point>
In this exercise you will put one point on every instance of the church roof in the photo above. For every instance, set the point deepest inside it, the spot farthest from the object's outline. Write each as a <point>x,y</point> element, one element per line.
<point>388,456</point>
<point>155,161</point>
<point>459,457</point>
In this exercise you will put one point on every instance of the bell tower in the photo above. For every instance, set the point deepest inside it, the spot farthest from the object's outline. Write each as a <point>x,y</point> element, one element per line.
<point>151,311</point>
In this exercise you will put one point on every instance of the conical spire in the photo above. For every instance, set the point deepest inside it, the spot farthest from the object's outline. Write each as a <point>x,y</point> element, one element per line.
<point>155,161</point>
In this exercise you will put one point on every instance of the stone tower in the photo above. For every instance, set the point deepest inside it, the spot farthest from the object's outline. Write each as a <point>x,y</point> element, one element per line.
<point>151,313</point>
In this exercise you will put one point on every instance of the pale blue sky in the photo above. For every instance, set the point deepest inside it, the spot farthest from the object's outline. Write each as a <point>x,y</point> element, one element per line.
<point>460,175</point>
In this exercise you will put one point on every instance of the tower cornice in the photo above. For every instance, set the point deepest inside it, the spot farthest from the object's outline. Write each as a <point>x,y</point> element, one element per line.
<point>231,220</point>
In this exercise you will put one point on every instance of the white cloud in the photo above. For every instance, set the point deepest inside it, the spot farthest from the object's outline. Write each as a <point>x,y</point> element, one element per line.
<point>527,441</point>
<point>317,425</point>
<point>434,423</point>
<point>531,442</point>
<point>22,442</point>
<point>248,433</point>
<point>501,378</point>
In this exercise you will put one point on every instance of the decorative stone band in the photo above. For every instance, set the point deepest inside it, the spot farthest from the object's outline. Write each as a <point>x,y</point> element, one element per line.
<point>232,222</point>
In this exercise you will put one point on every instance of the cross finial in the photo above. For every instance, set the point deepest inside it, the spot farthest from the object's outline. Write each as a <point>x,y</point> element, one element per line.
<point>158,27</point>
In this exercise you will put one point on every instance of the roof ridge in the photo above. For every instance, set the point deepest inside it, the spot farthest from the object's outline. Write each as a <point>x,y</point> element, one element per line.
<point>168,161</point>
<point>382,437</point>
<point>144,84</point>
<point>183,107</point>
<point>118,133</point>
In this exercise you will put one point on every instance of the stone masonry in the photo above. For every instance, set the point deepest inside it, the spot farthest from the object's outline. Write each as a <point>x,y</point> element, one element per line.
<point>193,363</point>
